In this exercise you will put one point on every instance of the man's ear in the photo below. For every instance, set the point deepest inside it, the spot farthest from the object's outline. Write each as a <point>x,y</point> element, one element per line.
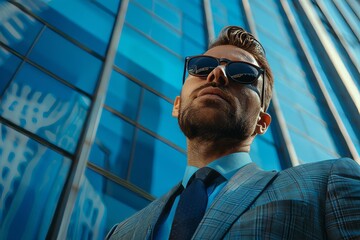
<point>176,107</point>
<point>263,123</point>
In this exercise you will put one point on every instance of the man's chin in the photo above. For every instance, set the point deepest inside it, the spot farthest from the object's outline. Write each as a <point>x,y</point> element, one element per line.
<point>211,114</point>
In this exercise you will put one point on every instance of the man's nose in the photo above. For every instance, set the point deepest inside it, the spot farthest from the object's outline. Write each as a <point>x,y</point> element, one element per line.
<point>218,75</point>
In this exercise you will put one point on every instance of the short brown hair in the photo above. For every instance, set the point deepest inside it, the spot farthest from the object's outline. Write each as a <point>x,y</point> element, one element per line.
<point>239,37</point>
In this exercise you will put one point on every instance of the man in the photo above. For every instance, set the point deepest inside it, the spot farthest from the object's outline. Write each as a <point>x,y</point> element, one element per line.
<point>221,109</point>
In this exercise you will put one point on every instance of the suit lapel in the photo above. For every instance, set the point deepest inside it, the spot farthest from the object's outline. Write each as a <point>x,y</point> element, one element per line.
<point>237,195</point>
<point>145,227</point>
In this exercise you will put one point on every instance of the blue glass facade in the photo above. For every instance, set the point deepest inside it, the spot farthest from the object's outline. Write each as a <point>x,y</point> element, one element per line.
<point>86,93</point>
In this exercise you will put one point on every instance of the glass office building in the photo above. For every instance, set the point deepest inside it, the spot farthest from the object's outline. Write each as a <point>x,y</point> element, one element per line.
<point>86,93</point>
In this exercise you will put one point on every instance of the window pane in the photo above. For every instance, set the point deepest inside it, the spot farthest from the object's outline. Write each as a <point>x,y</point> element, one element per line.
<point>156,167</point>
<point>8,66</point>
<point>226,14</point>
<point>17,29</point>
<point>265,155</point>
<point>156,115</point>
<point>148,62</point>
<point>112,147</point>
<point>44,106</point>
<point>123,95</point>
<point>32,178</point>
<point>91,26</point>
<point>101,204</point>
<point>66,60</point>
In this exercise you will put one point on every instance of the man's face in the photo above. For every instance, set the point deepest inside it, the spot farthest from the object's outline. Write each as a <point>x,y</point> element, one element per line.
<point>215,107</point>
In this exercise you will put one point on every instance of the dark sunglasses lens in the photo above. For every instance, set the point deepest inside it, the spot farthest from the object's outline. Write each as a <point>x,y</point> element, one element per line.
<point>242,72</point>
<point>201,66</point>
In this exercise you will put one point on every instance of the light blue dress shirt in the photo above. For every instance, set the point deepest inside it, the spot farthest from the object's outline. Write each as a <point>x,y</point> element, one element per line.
<point>227,166</point>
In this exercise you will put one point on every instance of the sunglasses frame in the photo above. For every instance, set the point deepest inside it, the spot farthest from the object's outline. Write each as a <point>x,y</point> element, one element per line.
<point>227,61</point>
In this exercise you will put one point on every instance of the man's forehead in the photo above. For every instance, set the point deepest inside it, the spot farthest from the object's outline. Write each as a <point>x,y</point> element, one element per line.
<point>232,53</point>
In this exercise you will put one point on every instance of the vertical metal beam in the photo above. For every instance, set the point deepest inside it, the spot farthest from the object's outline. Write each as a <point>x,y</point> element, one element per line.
<point>339,35</point>
<point>59,226</point>
<point>344,135</point>
<point>355,6</point>
<point>353,28</point>
<point>345,81</point>
<point>209,20</point>
<point>284,137</point>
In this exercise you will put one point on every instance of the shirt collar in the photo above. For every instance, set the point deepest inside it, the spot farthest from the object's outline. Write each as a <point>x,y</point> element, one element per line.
<point>226,166</point>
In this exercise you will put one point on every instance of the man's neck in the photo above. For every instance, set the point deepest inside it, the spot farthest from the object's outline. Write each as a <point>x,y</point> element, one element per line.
<point>201,153</point>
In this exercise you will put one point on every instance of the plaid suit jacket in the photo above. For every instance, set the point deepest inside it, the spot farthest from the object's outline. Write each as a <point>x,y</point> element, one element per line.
<point>311,201</point>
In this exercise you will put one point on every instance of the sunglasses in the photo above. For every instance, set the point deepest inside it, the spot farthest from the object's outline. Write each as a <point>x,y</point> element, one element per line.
<point>237,71</point>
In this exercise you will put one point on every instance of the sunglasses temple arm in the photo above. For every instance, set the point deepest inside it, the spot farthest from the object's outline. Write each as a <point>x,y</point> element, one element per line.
<point>183,79</point>
<point>263,91</point>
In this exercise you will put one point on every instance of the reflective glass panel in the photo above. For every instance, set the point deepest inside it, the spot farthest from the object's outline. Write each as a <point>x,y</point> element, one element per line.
<point>32,178</point>
<point>156,167</point>
<point>89,22</point>
<point>265,155</point>
<point>150,63</point>
<point>123,95</point>
<point>101,204</point>
<point>8,65</point>
<point>44,106</point>
<point>17,29</point>
<point>156,115</point>
<point>66,60</point>
<point>227,14</point>
<point>112,147</point>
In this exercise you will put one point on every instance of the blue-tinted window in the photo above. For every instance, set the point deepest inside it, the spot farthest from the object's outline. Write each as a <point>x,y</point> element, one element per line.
<point>88,22</point>
<point>123,95</point>
<point>156,167</point>
<point>226,14</point>
<point>8,65</point>
<point>322,69</point>
<point>44,106</point>
<point>318,130</point>
<point>66,60</point>
<point>351,18</point>
<point>196,31</point>
<point>325,154</point>
<point>172,24</point>
<point>101,204</point>
<point>110,6</point>
<point>261,18</point>
<point>265,154</point>
<point>192,10</point>
<point>191,48</point>
<point>291,113</point>
<point>148,62</point>
<point>305,100</point>
<point>303,146</point>
<point>168,13</point>
<point>156,115</point>
<point>153,27</point>
<point>112,147</point>
<point>17,29</point>
<point>32,177</point>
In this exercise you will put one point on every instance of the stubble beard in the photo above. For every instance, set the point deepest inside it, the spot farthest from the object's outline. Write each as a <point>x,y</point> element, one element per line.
<point>226,124</point>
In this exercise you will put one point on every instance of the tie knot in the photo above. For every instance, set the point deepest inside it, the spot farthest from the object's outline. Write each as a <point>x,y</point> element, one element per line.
<point>205,174</point>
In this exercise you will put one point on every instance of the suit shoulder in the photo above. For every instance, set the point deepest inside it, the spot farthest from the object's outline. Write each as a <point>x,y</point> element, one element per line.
<point>326,166</point>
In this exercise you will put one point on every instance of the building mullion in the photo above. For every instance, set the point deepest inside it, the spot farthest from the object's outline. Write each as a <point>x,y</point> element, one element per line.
<point>60,223</point>
<point>288,153</point>
<point>338,34</point>
<point>334,115</point>
<point>342,78</point>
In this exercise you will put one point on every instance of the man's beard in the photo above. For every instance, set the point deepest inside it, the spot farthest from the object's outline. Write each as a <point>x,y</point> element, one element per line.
<point>194,124</point>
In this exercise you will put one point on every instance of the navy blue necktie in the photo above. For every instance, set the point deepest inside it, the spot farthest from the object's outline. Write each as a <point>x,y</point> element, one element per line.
<point>192,204</point>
